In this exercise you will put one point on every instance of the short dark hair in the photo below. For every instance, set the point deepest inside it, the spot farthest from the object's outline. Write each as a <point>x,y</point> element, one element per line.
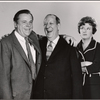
<point>89,20</point>
<point>56,17</point>
<point>16,16</point>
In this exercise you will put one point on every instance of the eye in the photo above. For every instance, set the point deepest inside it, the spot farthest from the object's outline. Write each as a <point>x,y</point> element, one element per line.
<point>31,22</point>
<point>88,28</point>
<point>82,27</point>
<point>44,25</point>
<point>23,22</point>
<point>51,23</point>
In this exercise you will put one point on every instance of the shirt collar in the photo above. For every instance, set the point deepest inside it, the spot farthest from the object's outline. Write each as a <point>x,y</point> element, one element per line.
<point>19,37</point>
<point>56,40</point>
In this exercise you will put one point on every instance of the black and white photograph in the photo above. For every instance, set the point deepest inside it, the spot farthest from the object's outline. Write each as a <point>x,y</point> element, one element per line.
<point>49,50</point>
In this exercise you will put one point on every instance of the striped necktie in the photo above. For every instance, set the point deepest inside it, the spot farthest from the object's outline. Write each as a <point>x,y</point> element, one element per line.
<point>49,50</point>
<point>30,58</point>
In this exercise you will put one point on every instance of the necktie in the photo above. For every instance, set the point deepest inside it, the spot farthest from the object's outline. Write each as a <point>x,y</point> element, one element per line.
<point>49,50</point>
<point>33,67</point>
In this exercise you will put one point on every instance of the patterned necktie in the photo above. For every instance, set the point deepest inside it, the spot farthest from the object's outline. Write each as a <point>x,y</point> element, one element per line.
<point>49,50</point>
<point>33,67</point>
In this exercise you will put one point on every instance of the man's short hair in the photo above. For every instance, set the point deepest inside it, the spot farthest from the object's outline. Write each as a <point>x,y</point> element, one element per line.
<point>56,17</point>
<point>24,11</point>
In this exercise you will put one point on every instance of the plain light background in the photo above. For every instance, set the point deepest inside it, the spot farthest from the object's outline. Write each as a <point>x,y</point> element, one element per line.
<point>69,12</point>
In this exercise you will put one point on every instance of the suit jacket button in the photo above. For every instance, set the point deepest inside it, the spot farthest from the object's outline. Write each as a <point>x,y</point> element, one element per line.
<point>14,94</point>
<point>44,77</point>
<point>44,90</point>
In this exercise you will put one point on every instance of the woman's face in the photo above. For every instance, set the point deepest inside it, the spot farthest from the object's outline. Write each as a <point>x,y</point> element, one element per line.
<point>86,31</point>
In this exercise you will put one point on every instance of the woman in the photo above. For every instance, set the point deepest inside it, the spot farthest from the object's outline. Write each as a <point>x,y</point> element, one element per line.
<point>89,57</point>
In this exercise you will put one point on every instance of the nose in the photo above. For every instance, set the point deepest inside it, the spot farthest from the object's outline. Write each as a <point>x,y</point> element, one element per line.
<point>28,24</point>
<point>47,26</point>
<point>84,30</point>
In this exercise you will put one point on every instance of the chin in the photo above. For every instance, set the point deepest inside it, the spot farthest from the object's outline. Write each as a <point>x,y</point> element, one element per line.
<point>49,36</point>
<point>28,33</point>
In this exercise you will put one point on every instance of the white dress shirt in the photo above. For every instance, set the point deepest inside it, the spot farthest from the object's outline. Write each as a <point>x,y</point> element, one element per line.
<point>23,44</point>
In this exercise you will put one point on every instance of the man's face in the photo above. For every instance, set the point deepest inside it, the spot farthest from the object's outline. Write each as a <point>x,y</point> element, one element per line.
<point>24,24</point>
<point>51,27</point>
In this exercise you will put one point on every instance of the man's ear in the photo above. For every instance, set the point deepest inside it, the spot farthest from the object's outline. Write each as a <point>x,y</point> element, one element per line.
<point>15,25</point>
<point>59,26</point>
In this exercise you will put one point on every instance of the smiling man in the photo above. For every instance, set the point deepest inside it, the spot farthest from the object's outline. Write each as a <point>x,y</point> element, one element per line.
<point>60,74</point>
<point>16,68</point>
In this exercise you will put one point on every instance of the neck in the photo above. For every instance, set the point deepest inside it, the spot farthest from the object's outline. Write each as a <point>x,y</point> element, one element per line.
<point>86,43</point>
<point>53,38</point>
<point>86,40</point>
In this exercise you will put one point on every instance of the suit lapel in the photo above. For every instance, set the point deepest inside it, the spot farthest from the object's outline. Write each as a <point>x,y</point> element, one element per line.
<point>59,46</point>
<point>35,41</point>
<point>44,46</point>
<point>19,47</point>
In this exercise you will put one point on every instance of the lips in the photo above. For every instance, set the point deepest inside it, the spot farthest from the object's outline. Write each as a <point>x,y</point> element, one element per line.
<point>49,30</point>
<point>84,34</point>
<point>27,29</point>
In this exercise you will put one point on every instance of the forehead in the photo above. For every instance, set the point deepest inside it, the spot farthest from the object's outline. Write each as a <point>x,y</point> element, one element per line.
<point>25,16</point>
<point>50,18</point>
<point>87,25</point>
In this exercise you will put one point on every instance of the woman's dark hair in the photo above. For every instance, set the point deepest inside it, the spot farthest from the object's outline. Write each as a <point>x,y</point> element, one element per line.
<point>24,11</point>
<point>89,20</point>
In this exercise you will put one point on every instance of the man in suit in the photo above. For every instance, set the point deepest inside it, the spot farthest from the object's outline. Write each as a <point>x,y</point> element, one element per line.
<point>60,75</point>
<point>16,70</point>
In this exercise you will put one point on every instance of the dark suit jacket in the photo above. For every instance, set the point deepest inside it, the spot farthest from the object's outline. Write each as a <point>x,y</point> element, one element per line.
<point>16,77</point>
<point>60,77</point>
